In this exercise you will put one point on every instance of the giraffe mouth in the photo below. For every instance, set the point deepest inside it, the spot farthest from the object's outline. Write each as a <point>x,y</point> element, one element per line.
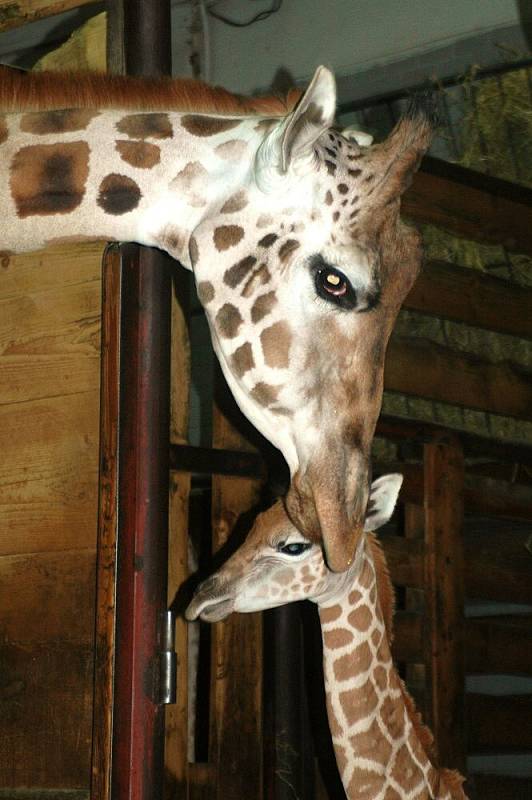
<point>209,609</point>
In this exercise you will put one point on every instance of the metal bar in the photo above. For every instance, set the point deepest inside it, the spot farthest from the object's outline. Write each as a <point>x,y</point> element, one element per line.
<point>214,461</point>
<point>142,39</point>
<point>138,730</point>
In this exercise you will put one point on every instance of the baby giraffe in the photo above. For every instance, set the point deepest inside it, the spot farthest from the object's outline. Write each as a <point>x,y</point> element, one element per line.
<point>382,749</point>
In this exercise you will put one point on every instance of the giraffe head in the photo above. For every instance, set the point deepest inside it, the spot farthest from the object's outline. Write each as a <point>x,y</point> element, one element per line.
<point>278,565</point>
<point>302,273</point>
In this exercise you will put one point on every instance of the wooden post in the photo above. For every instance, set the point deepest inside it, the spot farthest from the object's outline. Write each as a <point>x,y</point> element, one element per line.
<point>444,596</point>
<point>235,746</point>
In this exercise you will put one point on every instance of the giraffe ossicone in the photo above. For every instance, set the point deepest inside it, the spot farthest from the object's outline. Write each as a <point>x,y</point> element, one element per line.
<point>292,230</point>
<point>382,749</point>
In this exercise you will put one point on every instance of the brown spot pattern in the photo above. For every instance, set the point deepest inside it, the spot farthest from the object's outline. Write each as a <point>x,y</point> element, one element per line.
<point>142,155</point>
<point>242,359</point>
<point>146,126</point>
<point>263,306</point>
<point>57,121</point>
<point>268,240</point>
<point>338,637</point>
<point>264,393</point>
<point>364,785</point>
<point>226,236</point>
<point>49,179</point>
<point>118,194</point>
<point>264,220</point>
<point>405,770</point>
<point>199,125</point>
<point>192,181</point>
<point>205,291</point>
<point>287,248</point>
<point>260,277</point>
<point>236,274</point>
<point>353,663</point>
<point>193,250</point>
<point>232,150</point>
<point>371,744</point>
<point>381,677</point>
<point>361,618</point>
<point>236,202</point>
<point>228,320</point>
<point>276,342</point>
<point>365,705</point>
<point>330,613</point>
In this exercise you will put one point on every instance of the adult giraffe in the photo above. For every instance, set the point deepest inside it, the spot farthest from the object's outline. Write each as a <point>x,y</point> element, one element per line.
<point>292,231</point>
<point>382,749</point>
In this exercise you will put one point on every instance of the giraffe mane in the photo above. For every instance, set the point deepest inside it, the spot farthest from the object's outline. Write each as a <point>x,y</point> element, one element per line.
<point>44,91</point>
<point>386,595</point>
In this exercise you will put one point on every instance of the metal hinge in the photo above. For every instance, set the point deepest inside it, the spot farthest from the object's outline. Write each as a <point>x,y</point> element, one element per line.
<point>168,659</point>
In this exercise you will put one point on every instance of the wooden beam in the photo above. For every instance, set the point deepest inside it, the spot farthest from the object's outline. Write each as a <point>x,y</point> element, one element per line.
<point>235,732</point>
<point>422,368</point>
<point>14,14</point>
<point>473,297</point>
<point>471,205</point>
<point>501,644</point>
<point>444,597</point>
<point>498,723</point>
<point>502,787</point>
<point>498,566</point>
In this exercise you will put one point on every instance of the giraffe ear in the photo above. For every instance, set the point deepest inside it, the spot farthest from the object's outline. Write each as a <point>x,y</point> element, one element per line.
<point>313,115</point>
<point>382,500</point>
<point>292,140</point>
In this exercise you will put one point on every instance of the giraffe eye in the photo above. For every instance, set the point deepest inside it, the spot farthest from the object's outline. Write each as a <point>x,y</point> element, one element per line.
<point>332,285</point>
<point>293,548</point>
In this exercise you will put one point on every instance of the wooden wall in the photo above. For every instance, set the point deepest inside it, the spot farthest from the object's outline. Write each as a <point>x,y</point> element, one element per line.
<point>49,424</point>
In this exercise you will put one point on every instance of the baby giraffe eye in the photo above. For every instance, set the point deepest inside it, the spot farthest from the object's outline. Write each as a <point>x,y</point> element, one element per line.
<point>293,548</point>
<point>332,281</point>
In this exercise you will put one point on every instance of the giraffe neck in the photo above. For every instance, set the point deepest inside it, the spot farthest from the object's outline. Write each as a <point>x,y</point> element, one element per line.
<point>376,740</point>
<point>146,177</point>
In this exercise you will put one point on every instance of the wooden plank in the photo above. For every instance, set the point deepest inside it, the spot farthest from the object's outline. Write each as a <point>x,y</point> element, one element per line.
<point>177,723</point>
<point>473,297</point>
<point>498,723</point>
<point>444,597</point>
<point>502,787</point>
<point>49,474</point>
<point>407,645</point>
<point>471,205</point>
<point>236,690</point>
<point>105,628</point>
<point>46,655</point>
<point>13,14</point>
<point>499,644</point>
<point>426,369</point>
<point>405,560</point>
<point>498,566</point>
<point>481,495</point>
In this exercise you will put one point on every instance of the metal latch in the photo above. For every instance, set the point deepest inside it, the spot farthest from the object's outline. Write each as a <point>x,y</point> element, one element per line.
<point>168,659</point>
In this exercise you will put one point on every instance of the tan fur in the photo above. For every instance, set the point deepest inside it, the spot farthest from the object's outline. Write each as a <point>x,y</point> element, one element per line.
<point>41,91</point>
<point>449,778</point>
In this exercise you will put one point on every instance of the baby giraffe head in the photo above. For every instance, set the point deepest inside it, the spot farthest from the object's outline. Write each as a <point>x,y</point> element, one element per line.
<point>278,565</point>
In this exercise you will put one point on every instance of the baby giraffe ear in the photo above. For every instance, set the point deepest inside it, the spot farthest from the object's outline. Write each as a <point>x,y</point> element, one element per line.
<point>382,500</point>
<point>313,115</point>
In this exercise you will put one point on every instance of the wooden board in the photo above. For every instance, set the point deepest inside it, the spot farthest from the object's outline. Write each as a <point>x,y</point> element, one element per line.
<point>49,415</point>
<point>473,297</point>
<point>471,205</point>
<point>235,745</point>
<point>426,369</point>
<point>46,682</point>
<point>13,14</point>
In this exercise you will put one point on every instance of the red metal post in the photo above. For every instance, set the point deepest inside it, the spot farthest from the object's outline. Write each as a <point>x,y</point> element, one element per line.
<point>142,39</point>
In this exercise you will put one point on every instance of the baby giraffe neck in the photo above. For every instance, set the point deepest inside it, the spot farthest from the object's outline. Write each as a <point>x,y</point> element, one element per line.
<point>376,741</point>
